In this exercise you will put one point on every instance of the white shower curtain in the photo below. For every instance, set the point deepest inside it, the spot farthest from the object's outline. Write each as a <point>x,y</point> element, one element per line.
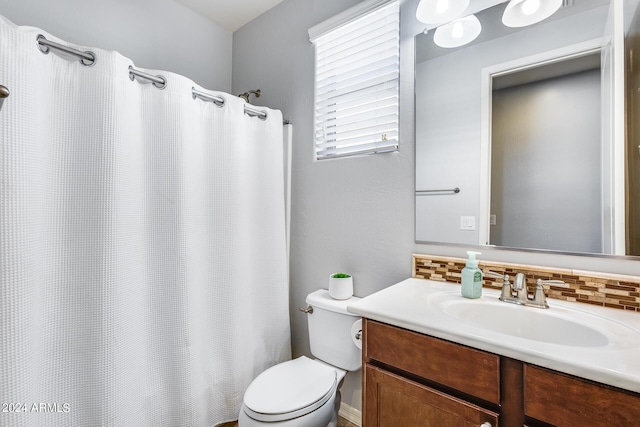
<point>142,245</point>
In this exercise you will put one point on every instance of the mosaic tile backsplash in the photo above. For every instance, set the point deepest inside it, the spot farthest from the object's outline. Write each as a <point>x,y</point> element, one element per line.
<point>603,289</point>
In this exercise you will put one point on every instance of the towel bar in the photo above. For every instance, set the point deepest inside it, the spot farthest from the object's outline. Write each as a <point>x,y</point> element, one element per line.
<point>438,192</point>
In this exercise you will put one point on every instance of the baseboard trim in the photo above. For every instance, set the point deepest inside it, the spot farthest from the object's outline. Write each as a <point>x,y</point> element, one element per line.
<point>350,414</point>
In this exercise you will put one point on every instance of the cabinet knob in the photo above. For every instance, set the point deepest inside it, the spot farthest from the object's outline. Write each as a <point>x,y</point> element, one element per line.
<point>485,424</point>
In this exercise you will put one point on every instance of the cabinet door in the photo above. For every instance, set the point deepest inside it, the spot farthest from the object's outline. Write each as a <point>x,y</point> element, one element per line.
<point>392,401</point>
<point>565,401</point>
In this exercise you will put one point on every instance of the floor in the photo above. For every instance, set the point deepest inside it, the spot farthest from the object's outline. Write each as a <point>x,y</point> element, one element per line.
<point>344,423</point>
<point>341,423</point>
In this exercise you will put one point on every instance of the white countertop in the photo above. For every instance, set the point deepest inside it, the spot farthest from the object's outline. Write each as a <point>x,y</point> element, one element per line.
<point>407,305</point>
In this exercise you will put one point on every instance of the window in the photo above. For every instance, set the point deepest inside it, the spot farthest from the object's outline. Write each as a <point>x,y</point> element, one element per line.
<point>357,80</point>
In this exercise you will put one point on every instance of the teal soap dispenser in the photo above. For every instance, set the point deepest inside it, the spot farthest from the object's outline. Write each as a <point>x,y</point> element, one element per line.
<point>472,277</point>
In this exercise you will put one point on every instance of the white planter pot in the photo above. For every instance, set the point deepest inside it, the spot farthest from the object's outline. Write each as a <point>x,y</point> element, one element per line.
<point>340,288</point>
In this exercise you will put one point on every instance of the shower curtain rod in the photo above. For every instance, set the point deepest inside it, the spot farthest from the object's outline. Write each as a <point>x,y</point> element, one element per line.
<point>4,93</point>
<point>219,101</point>
<point>158,81</point>
<point>88,58</point>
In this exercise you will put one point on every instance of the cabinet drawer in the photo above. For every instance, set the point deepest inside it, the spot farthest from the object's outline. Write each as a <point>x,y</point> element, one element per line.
<point>565,401</point>
<point>393,401</point>
<point>465,369</point>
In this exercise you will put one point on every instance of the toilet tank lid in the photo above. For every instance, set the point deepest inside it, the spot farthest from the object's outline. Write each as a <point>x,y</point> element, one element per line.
<point>322,299</point>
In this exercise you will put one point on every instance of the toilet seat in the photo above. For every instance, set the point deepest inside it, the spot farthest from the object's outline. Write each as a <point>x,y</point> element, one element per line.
<point>290,390</point>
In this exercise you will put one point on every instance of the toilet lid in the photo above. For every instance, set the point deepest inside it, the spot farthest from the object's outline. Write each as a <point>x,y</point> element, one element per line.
<point>291,387</point>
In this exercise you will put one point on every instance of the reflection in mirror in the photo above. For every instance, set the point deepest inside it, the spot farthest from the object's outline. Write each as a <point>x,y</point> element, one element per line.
<point>529,124</point>
<point>538,124</point>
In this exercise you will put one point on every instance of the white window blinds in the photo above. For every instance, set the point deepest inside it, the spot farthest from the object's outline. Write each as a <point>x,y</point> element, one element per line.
<point>357,82</point>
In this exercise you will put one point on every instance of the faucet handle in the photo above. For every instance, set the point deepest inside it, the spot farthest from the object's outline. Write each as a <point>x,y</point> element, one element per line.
<point>541,282</point>
<point>539,298</point>
<point>505,277</point>
<point>505,295</point>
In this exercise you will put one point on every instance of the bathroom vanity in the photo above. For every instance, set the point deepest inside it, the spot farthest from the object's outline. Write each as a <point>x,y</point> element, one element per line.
<point>423,366</point>
<point>413,379</point>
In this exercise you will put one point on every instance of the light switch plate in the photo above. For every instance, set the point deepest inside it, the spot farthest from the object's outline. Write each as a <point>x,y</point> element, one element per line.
<point>468,223</point>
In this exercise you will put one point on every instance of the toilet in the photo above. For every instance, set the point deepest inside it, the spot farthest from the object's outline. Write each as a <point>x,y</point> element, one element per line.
<point>305,392</point>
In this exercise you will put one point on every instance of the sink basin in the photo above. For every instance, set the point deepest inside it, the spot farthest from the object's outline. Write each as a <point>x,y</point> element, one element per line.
<point>556,325</point>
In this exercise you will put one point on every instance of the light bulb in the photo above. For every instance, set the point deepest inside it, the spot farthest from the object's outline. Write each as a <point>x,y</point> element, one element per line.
<point>437,12</point>
<point>457,33</point>
<point>529,7</point>
<point>442,6</point>
<point>520,13</point>
<point>457,30</point>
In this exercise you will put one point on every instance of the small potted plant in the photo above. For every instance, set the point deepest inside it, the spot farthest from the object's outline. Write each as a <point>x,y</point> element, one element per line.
<point>340,286</point>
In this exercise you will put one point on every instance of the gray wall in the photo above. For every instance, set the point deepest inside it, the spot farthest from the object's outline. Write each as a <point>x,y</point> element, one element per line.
<point>157,34</point>
<point>541,197</point>
<point>353,214</point>
<point>350,214</point>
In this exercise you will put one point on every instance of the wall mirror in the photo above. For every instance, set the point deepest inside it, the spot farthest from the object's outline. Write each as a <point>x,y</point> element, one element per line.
<point>520,134</point>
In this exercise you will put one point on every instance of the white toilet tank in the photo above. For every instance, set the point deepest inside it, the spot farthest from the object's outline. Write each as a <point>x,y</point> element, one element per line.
<point>330,331</point>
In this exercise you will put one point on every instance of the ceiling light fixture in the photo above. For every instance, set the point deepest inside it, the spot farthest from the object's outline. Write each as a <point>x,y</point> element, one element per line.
<point>520,13</point>
<point>440,11</point>
<point>457,33</point>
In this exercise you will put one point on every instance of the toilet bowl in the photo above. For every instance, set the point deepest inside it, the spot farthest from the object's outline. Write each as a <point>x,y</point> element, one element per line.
<point>305,392</point>
<point>301,392</point>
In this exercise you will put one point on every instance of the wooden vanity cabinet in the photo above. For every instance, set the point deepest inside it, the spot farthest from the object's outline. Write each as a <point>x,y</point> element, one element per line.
<point>411,379</point>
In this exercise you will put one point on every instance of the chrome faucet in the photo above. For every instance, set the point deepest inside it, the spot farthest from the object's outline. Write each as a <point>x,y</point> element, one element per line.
<point>518,292</point>
<point>520,289</point>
